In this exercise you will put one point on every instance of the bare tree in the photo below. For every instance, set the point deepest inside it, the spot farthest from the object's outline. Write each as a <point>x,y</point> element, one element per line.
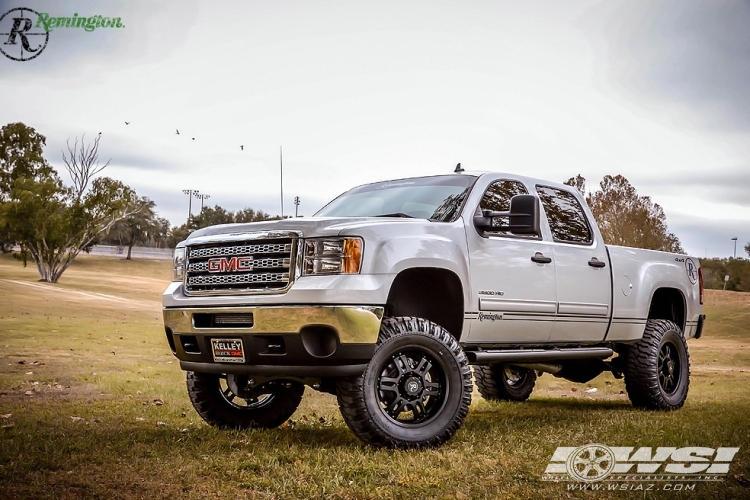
<point>82,163</point>
<point>53,223</point>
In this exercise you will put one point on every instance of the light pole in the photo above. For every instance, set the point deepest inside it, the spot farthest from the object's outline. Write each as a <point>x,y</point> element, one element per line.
<point>190,193</point>
<point>296,205</point>
<point>735,246</point>
<point>202,197</point>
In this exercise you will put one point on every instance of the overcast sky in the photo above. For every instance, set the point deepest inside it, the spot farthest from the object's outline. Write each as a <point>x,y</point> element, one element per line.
<point>357,92</point>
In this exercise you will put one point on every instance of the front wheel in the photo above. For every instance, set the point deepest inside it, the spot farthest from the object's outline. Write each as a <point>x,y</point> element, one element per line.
<point>415,391</point>
<point>657,367</point>
<point>226,402</point>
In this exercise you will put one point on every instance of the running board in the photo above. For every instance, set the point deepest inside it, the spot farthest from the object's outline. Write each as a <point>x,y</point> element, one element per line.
<point>536,355</point>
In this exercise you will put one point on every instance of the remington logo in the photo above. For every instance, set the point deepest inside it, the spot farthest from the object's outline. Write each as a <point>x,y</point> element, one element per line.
<point>49,23</point>
<point>490,316</point>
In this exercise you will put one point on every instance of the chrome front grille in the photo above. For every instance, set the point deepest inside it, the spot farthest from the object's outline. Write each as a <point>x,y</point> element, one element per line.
<point>241,250</point>
<point>257,264</point>
<point>236,279</point>
<point>236,267</point>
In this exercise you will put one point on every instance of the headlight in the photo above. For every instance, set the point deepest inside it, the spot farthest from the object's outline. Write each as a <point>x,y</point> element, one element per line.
<point>178,262</point>
<point>332,256</point>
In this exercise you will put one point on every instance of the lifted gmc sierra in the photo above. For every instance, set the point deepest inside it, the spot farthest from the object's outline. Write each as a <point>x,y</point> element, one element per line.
<point>387,295</point>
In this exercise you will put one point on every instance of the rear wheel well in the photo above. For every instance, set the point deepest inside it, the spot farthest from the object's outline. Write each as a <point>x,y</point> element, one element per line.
<point>431,293</point>
<point>669,304</point>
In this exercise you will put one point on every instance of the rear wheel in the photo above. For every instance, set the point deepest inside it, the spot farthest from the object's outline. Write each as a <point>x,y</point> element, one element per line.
<point>657,367</point>
<point>501,382</point>
<point>415,391</point>
<point>225,401</point>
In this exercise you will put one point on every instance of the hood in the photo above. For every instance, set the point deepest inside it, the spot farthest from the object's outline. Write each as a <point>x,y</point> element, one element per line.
<point>309,227</point>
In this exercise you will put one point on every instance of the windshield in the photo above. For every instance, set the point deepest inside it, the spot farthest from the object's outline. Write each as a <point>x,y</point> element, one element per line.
<point>436,198</point>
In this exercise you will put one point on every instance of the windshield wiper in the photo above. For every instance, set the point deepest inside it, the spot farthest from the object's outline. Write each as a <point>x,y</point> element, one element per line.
<point>395,214</point>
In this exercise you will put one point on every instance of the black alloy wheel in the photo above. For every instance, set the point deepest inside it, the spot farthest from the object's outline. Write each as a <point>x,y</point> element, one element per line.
<point>412,386</point>
<point>502,382</point>
<point>669,367</point>
<point>416,390</point>
<point>227,402</point>
<point>657,367</point>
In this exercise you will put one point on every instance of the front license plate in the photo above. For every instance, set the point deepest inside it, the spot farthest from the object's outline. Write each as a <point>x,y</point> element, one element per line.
<point>228,350</point>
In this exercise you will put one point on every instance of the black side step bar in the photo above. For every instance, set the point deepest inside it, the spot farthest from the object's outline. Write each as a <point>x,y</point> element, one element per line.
<point>536,355</point>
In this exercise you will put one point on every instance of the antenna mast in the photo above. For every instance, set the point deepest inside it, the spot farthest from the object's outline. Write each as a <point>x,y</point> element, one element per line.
<point>281,168</point>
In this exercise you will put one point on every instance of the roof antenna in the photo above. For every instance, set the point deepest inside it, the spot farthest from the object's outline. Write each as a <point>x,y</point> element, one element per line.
<point>458,169</point>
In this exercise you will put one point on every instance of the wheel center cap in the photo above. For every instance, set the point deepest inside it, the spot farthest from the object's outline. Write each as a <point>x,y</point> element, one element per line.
<point>413,386</point>
<point>670,367</point>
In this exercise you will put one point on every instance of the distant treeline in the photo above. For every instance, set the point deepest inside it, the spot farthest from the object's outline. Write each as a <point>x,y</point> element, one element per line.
<point>715,271</point>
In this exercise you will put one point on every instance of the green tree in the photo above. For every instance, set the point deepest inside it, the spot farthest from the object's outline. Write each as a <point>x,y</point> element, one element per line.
<point>738,270</point>
<point>178,234</point>
<point>214,216</point>
<point>626,218</point>
<point>141,228</point>
<point>747,249</point>
<point>21,157</point>
<point>52,222</point>
<point>250,215</point>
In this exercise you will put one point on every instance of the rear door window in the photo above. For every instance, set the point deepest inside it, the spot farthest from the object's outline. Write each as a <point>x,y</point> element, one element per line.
<point>566,218</point>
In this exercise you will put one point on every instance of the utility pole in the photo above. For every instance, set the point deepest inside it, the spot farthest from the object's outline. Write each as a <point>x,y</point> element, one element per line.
<point>190,193</point>
<point>296,205</point>
<point>735,246</point>
<point>281,169</point>
<point>202,197</point>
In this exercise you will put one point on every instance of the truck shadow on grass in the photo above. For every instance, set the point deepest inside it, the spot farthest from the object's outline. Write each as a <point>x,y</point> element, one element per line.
<point>547,406</point>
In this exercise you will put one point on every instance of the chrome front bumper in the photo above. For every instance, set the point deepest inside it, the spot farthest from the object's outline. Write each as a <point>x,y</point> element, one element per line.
<point>353,324</point>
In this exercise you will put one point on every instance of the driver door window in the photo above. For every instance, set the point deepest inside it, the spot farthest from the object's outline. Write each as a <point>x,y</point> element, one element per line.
<point>497,198</point>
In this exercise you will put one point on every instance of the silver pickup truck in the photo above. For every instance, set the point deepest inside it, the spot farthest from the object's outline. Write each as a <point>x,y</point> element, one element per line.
<point>387,295</point>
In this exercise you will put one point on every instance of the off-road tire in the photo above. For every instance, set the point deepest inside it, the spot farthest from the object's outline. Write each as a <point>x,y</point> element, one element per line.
<point>647,371</point>
<point>494,384</point>
<point>216,408</point>
<point>362,398</point>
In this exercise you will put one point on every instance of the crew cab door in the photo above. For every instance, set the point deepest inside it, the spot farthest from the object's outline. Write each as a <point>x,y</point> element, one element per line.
<point>513,298</point>
<point>582,270</point>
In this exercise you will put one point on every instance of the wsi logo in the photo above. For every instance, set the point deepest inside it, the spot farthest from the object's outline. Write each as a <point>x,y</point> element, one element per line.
<point>597,462</point>
<point>222,264</point>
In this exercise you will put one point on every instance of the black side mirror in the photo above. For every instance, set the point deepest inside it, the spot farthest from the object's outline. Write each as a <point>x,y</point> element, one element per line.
<point>523,217</point>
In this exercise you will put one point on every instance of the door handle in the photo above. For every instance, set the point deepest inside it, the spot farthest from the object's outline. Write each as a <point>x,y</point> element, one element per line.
<point>539,258</point>
<point>594,262</point>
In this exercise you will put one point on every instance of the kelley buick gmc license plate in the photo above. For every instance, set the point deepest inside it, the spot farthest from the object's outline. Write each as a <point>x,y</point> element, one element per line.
<point>228,350</point>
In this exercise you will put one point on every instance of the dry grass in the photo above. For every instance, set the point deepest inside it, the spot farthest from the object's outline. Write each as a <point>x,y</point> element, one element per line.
<point>108,415</point>
<point>725,298</point>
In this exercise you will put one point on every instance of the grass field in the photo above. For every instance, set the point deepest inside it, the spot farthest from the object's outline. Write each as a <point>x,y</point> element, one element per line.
<point>94,405</point>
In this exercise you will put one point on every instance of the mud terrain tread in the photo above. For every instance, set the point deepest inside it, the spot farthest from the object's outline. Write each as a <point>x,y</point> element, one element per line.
<point>350,390</point>
<point>204,391</point>
<point>489,383</point>
<point>641,367</point>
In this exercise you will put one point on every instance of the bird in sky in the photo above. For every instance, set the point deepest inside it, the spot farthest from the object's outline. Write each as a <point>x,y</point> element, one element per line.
<point>127,123</point>
<point>178,132</point>
<point>242,148</point>
<point>193,138</point>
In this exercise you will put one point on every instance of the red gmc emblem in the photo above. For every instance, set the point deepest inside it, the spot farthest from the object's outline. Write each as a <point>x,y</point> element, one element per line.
<point>222,264</point>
